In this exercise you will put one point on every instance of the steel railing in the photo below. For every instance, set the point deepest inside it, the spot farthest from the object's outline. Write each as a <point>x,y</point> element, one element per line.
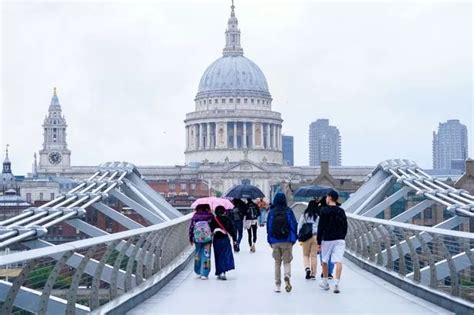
<point>439,259</point>
<point>79,277</point>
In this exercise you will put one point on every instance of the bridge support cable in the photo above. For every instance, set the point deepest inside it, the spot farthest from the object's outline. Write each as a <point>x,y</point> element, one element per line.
<point>121,180</point>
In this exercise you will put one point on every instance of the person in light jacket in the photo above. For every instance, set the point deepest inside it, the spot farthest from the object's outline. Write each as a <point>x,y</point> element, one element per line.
<point>310,218</point>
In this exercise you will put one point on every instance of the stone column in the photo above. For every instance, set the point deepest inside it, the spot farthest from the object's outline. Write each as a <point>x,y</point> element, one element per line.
<point>279,137</point>
<point>244,140</point>
<point>235,135</point>
<point>261,135</point>
<point>208,136</point>
<point>253,135</point>
<point>200,137</point>
<point>187,138</point>
<point>274,137</point>
<point>268,137</point>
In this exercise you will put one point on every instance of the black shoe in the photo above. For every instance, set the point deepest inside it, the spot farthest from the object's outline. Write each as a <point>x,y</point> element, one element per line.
<point>322,275</point>
<point>308,273</point>
<point>312,277</point>
<point>288,286</point>
<point>330,276</point>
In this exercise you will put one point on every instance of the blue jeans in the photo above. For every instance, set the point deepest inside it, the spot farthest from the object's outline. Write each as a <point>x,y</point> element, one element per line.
<point>202,259</point>
<point>239,230</point>
<point>263,216</point>
<point>330,264</point>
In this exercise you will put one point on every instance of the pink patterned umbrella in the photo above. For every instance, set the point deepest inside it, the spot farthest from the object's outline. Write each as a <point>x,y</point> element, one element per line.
<point>213,202</point>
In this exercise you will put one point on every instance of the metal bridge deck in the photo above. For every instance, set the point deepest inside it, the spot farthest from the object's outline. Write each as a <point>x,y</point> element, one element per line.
<point>249,289</point>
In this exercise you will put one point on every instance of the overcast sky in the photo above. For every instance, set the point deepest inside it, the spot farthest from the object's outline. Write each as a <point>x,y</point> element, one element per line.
<point>385,73</point>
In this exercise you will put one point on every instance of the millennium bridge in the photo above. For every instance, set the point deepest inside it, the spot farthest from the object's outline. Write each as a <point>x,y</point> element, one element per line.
<point>391,265</point>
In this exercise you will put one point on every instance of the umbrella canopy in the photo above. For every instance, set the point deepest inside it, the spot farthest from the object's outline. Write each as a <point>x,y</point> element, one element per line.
<point>245,191</point>
<point>213,202</point>
<point>312,191</point>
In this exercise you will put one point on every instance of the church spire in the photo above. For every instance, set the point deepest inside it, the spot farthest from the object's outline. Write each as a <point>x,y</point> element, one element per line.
<point>6,163</point>
<point>232,36</point>
<point>54,106</point>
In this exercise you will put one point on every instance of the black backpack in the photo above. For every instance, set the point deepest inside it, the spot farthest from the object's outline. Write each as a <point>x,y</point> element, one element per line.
<point>280,225</point>
<point>235,214</point>
<point>252,213</point>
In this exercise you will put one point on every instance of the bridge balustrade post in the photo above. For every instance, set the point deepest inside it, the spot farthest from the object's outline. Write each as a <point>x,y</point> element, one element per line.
<point>453,275</point>
<point>131,263</point>
<point>433,281</point>
<point>413,255</point>
<point>76,278</point>
<point>117,267</point>
<point>401,256</point>
<point>94,301</point>
<point>385,232</point>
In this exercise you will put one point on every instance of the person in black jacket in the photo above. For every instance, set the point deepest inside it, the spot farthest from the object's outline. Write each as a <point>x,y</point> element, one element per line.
<point>332,230</point>
<point>222,228</point>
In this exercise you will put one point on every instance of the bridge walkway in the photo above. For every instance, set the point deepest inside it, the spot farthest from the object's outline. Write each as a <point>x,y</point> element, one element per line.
<point>249,290</point>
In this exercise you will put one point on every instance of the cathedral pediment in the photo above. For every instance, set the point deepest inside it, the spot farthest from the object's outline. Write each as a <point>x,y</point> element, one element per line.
<point>246,166</point>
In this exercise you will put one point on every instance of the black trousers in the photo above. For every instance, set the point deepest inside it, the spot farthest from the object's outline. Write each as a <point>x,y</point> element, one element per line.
<point>252,233</point>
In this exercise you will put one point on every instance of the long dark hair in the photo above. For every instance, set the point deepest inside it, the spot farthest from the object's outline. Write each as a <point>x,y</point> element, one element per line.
<point>312,211</point>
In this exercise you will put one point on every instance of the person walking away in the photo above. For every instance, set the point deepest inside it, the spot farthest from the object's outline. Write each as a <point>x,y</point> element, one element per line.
<point>222,228</point>
<point>200,235</point>
<point>237,215</point>
<point>307,231</point>
<point>332,230</point>
<point>251,223</point>
<point>321,204</point>
<point>262,206</point>
<point>281,235</point>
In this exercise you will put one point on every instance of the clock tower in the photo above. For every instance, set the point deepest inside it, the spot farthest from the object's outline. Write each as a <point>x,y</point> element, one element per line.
<point>55,156</point>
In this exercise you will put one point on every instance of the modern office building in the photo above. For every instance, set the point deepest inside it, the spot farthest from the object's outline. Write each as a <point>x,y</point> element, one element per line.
<point>288,150</point>
<point>449,144</point>
<point>324,143</point>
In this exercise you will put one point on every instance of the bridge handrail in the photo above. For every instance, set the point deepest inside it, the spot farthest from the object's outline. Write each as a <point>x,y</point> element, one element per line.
<point>82,276</point>
<point>74,246</point>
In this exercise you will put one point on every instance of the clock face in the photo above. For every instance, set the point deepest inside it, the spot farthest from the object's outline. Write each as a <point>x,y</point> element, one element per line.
<point>55,158</point>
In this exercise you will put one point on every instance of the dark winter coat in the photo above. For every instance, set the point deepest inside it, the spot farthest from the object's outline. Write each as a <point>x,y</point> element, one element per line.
<point>228,225</point>
<point>332,224</point>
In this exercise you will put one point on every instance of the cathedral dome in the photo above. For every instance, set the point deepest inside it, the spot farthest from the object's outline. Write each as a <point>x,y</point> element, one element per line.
<point>233,73</point>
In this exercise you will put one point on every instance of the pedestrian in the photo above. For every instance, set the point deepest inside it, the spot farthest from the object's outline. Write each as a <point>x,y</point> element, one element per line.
<point>307,231</point>
<point>262,206</point>
<point>322,204</point>
<point>237,215</point>
<point>281,235</point>
<point>222,229</point>
<point>200,235</point>
<point>251,223</point>
<point>332,230</point>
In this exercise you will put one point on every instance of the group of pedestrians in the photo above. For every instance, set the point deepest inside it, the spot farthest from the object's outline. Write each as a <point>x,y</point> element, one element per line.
<point>207,229</point>
<point>321,230</point>
<point>248,215</point>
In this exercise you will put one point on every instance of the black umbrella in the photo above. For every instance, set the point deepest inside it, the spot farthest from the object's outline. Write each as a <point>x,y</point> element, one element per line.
<point>312,191</point>
<point>245,191</point>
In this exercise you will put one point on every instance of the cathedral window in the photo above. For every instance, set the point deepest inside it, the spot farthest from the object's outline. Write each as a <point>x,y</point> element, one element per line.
<point>231,100</point>
<point>258,101</point>
<point>245,101</point>
<point>215,101</point>
<point>41,196</point>
<point>237,100</point>
<point>251,101</point>
<point>204,102</point>
<point>223,101</point>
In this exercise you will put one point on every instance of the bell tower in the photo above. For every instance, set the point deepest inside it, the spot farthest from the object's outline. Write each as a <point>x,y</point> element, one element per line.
<point>54,156</point>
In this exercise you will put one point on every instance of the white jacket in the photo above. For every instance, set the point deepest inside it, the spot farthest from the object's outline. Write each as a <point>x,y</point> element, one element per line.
<point>304,219</point>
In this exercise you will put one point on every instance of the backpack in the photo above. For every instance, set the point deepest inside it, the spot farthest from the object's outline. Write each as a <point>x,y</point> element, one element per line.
<point>252,212</point>
<point>306,232</point>
<point>280,225</point>
<point>202,232</point>
<point>235,214</point>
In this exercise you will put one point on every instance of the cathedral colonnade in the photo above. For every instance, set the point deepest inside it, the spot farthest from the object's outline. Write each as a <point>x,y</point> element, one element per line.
<point>237,134</point>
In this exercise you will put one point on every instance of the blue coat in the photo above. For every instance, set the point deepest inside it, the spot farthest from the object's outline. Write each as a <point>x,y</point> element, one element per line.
<point>280,202</point>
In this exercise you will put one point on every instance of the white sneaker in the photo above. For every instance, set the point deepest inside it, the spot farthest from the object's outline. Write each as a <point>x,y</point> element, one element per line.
<point>336,288</point>
<point>277,289</point>
<point>204,278</point>
<point>324,285</point>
